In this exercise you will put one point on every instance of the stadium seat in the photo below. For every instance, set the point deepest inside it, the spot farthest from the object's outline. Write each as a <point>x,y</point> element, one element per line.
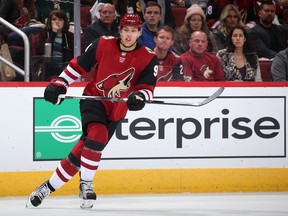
<point>265,67</point>
<point>179,14</point>
<point>285,16</point>
<point>85,16</point>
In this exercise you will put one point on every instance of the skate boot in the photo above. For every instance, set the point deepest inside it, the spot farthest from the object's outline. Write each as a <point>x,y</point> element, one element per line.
<point>87,195</point>
<point>37,196</point>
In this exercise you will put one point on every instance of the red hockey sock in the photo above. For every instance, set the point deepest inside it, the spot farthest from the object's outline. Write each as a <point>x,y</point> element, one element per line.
<point>97,137</point>
<point>63,173</point>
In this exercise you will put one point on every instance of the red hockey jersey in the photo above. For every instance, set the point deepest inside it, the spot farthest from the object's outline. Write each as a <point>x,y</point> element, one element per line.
<point>170,68</point>
<point>116,73</point>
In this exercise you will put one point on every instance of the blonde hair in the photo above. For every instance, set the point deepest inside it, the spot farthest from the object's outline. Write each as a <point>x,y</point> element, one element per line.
<point>222,26</point>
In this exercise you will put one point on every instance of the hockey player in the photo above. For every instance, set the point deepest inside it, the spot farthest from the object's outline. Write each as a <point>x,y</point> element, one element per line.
<point>123,69</point>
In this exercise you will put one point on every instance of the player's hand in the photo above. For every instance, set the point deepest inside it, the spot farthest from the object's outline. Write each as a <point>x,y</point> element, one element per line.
<point>56,87</point>
<point>136,101</point>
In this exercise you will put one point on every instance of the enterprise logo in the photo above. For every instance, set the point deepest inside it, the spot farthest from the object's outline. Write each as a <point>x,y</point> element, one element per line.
<point>62,124</point>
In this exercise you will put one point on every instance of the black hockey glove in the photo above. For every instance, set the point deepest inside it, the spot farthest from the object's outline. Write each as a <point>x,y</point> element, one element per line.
<point>56,87</point>
<point>136,101</point>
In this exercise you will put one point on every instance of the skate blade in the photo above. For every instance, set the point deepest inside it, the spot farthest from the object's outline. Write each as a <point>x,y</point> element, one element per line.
<point>87,203</point>
<point>28,203</point>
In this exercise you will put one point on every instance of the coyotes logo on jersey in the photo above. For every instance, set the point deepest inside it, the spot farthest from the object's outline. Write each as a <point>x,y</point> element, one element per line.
<point>114,84</point>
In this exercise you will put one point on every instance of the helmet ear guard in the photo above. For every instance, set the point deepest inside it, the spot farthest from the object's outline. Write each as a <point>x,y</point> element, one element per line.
<point>131,20</point>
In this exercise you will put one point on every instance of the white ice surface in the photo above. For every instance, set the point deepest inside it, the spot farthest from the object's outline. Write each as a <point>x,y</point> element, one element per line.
<point>224,204</point>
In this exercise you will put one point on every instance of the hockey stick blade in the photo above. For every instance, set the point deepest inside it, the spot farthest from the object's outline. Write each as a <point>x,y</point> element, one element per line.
<point>160,102</point>
<point>194,104</point>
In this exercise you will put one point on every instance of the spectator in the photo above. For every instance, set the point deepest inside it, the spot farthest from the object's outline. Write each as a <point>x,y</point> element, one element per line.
<point>122,7</point>
<point>268,38</point>
<point>10,12</point>
<point>246,9</point>
<point>152,17</point>
<point>230,17</point>
<point>45,7</point>
<point>279,68</point>
<point>28,12</point>
<point>62,47</point>
<point>167,17</point>
<point>278,19</point>
<point>239,60</point>
<point>104,26</point>
<point>26,23</point>
<point>200,65</point>
<point>99,3</point>
<point>170,66</point>
<point>194,21</point>
<point>136,7</point>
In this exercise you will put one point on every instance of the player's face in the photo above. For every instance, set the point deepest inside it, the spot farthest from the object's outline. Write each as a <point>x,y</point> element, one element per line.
<point>232,19</point>
<point>198,43</point>
<point>164,40</point>
<point>129,35</point>
<point>238,38</point>
<point>195,22</point>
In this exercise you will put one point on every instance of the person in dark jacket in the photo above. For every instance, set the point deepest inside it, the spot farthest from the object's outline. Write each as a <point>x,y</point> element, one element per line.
<point>61,41</point>
<point>279,68</point>
<point>268,38</point>
<point>105,25</point>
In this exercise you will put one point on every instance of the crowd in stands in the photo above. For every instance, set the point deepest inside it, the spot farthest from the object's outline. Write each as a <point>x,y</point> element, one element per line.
<point>194,40</point>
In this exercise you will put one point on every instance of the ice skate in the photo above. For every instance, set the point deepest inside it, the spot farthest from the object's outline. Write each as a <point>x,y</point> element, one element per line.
<point>87,195</point>
<point>37,196</point>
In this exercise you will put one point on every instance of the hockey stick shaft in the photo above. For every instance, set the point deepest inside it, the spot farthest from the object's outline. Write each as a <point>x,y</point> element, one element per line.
<point>160,102</point>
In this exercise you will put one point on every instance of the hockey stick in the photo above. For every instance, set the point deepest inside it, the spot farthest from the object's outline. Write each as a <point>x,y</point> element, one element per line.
<point>195,104</point>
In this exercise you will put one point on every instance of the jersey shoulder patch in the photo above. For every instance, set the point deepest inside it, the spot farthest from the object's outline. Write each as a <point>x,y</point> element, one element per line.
<point>108,37</point>
<point>175,54</point>
<point>149,50</point>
